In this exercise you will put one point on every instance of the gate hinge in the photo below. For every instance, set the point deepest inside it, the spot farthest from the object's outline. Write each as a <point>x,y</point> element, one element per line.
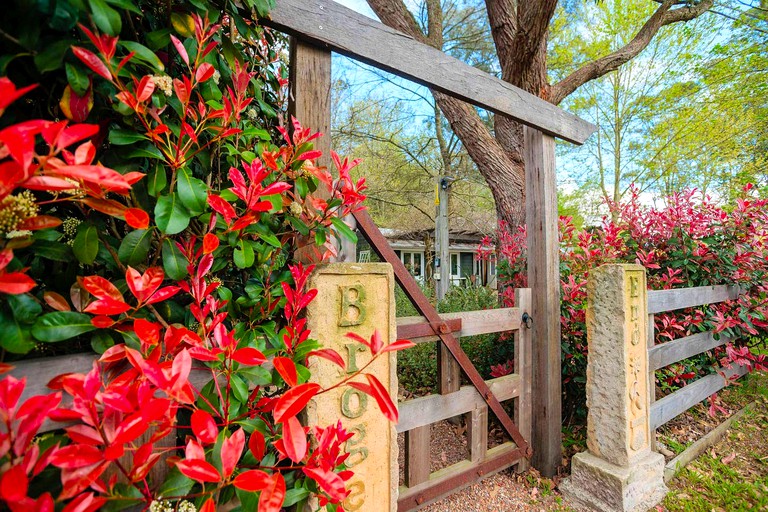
<point>527,320</point>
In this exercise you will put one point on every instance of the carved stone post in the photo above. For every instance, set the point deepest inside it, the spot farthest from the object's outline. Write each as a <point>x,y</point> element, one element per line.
<point>357,298</point>
<point>619,472</point>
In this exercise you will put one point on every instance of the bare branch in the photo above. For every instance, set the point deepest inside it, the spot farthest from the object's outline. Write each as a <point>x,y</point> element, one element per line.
<point>663,16</point>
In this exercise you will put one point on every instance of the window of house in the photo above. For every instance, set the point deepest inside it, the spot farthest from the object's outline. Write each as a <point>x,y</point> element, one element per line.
<point>414,262</point>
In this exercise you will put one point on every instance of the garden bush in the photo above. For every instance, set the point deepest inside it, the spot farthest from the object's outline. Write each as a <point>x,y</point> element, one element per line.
<point>164,238</point>
<point>690,241</point>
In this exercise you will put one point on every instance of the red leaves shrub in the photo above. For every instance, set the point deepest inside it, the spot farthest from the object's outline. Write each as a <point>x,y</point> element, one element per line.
<point>214,343</point>
<point>690,241</point>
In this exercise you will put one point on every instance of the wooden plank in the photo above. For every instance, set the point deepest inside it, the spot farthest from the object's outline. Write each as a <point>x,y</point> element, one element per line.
<point>523,362</point>
<point>433,408</point>
<point>417,459</point>
<point>448,370</point>
<point>477,433</point>
<point>544,280</point>
<point>660,301</point>
<point>683,399</point>
<point>671,352</point>
<point>700,446</point>
<point>423,331</point>
<point>484,321</point>
<point>453,478</point>
<point>335,27</point>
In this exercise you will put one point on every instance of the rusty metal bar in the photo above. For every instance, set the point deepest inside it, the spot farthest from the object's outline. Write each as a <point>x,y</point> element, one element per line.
<point>426,309</point>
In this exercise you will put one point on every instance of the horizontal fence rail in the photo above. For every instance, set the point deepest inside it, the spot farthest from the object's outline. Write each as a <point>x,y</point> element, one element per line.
<point>665,354</point>
<point>326,23</point>
<point>467,323</point>
<point>660,301</point>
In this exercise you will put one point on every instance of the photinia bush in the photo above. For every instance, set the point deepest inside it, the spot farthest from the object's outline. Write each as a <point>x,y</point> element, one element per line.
<point>185,281</point>
<point>690,241</point>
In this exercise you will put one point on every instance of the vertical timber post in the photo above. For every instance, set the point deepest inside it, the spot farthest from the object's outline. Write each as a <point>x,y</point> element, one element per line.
<point>310,103</point>
<point>544,281</point>
<point>523,347</point>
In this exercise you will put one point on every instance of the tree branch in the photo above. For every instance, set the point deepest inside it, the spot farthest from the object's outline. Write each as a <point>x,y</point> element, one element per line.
<point>663,16</point>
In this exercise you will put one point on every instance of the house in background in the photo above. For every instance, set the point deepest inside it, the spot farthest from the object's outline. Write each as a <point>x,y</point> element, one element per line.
<point>416,249</point>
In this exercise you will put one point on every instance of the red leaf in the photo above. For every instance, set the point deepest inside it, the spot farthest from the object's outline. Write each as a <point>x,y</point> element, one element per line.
<point>101,288</point>
<point>145,88</point>
<point>398,345</point>
<point>223,207</point>
<point>15,283</point>
<point>180,48</point>
<point>75,456</point>
<point>96,174</point>
<point>144,285</point>
<point>359,339</point>
<point>164,293</point>
<point>294,439</point>
<point>328,481</point>
<point>252,481</point>
<point>148,332</point>
<point>198,470</point>
<point>39,222</point>
<point>56,301</point>
<point>86,502</point>
<point>204,72</point>
<point>208,506</point>
<point>249,356</point>
<point>210,243</point>
<point>92,61</point>
<point>287,370</point>
<point>14,484</point>
<point>376,342</point>
<point>379,392</point>
<point>108,206</point>
<point>329,354</point>
<point>257,444</point>
<point>107,306</point>
<point>75,133</point>
<point>231,449</point>
<point>204,427</point>
<point>294,400</point>
<point>102,322</point>
<point>310,155</point>
<point>271,499</point>
<point>137,218</point>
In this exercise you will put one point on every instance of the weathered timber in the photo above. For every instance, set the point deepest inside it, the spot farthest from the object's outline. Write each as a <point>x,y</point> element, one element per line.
<point>679,298</point>
<point>683,399</point>
<point>455,477</point>
<point>429,409</point>
<point>327,24</point>
<point>544,281</point>
<point>472,323</point>
<point>417,459</point>
<point>477,433</point>
<point>671,352</point>
<point>523,368</point>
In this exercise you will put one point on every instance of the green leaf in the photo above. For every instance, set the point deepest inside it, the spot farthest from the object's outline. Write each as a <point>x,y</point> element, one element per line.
<point>343,229</point>
<point>86,245</point>
<point>147,151</point>
<point>61,325</point>
<point>301,187</point>
<point>51,57</point>
<point>293,496</point>
<point>101,341</point>
<point>159,38</point>
<point>192,192</point>
<point>174,262</point>
<point>156,181</point>
<point>13,338</point>
<point>183,24</point>
<point>256,375</point>
<point>106,18</point>
<point>175,484</point>
<point>239,388</point>
<point>25,308</point>
<point>243,256</point>
<point>144,54</point>
<point>64,16</point>
<point>51,250</point>
<point>77,79</point>
<point>125,4</point>
<point>170,215</point>
<point>135,247</point>
<point>120,137</point>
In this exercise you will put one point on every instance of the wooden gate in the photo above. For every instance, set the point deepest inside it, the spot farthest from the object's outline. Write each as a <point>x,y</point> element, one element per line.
<point>322,26</point>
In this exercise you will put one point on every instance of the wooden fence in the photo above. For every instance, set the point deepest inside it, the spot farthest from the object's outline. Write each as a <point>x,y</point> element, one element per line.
<point>416,415</point>
<point>665,354</point>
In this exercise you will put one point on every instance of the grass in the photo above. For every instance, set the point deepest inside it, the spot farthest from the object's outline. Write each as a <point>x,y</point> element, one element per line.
<point>732,475</point>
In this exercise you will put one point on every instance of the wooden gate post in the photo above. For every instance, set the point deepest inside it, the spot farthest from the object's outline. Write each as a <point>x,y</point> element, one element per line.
<point>544,282</point>
<point>619,473</point>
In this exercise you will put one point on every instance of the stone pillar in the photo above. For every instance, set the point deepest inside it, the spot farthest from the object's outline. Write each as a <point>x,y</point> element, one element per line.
<point>357,297</point>
<point>619,472</point>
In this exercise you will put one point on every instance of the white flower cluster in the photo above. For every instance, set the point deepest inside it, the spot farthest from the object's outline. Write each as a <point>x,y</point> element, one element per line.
<point>168,506</point>
<point>164,83</point>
